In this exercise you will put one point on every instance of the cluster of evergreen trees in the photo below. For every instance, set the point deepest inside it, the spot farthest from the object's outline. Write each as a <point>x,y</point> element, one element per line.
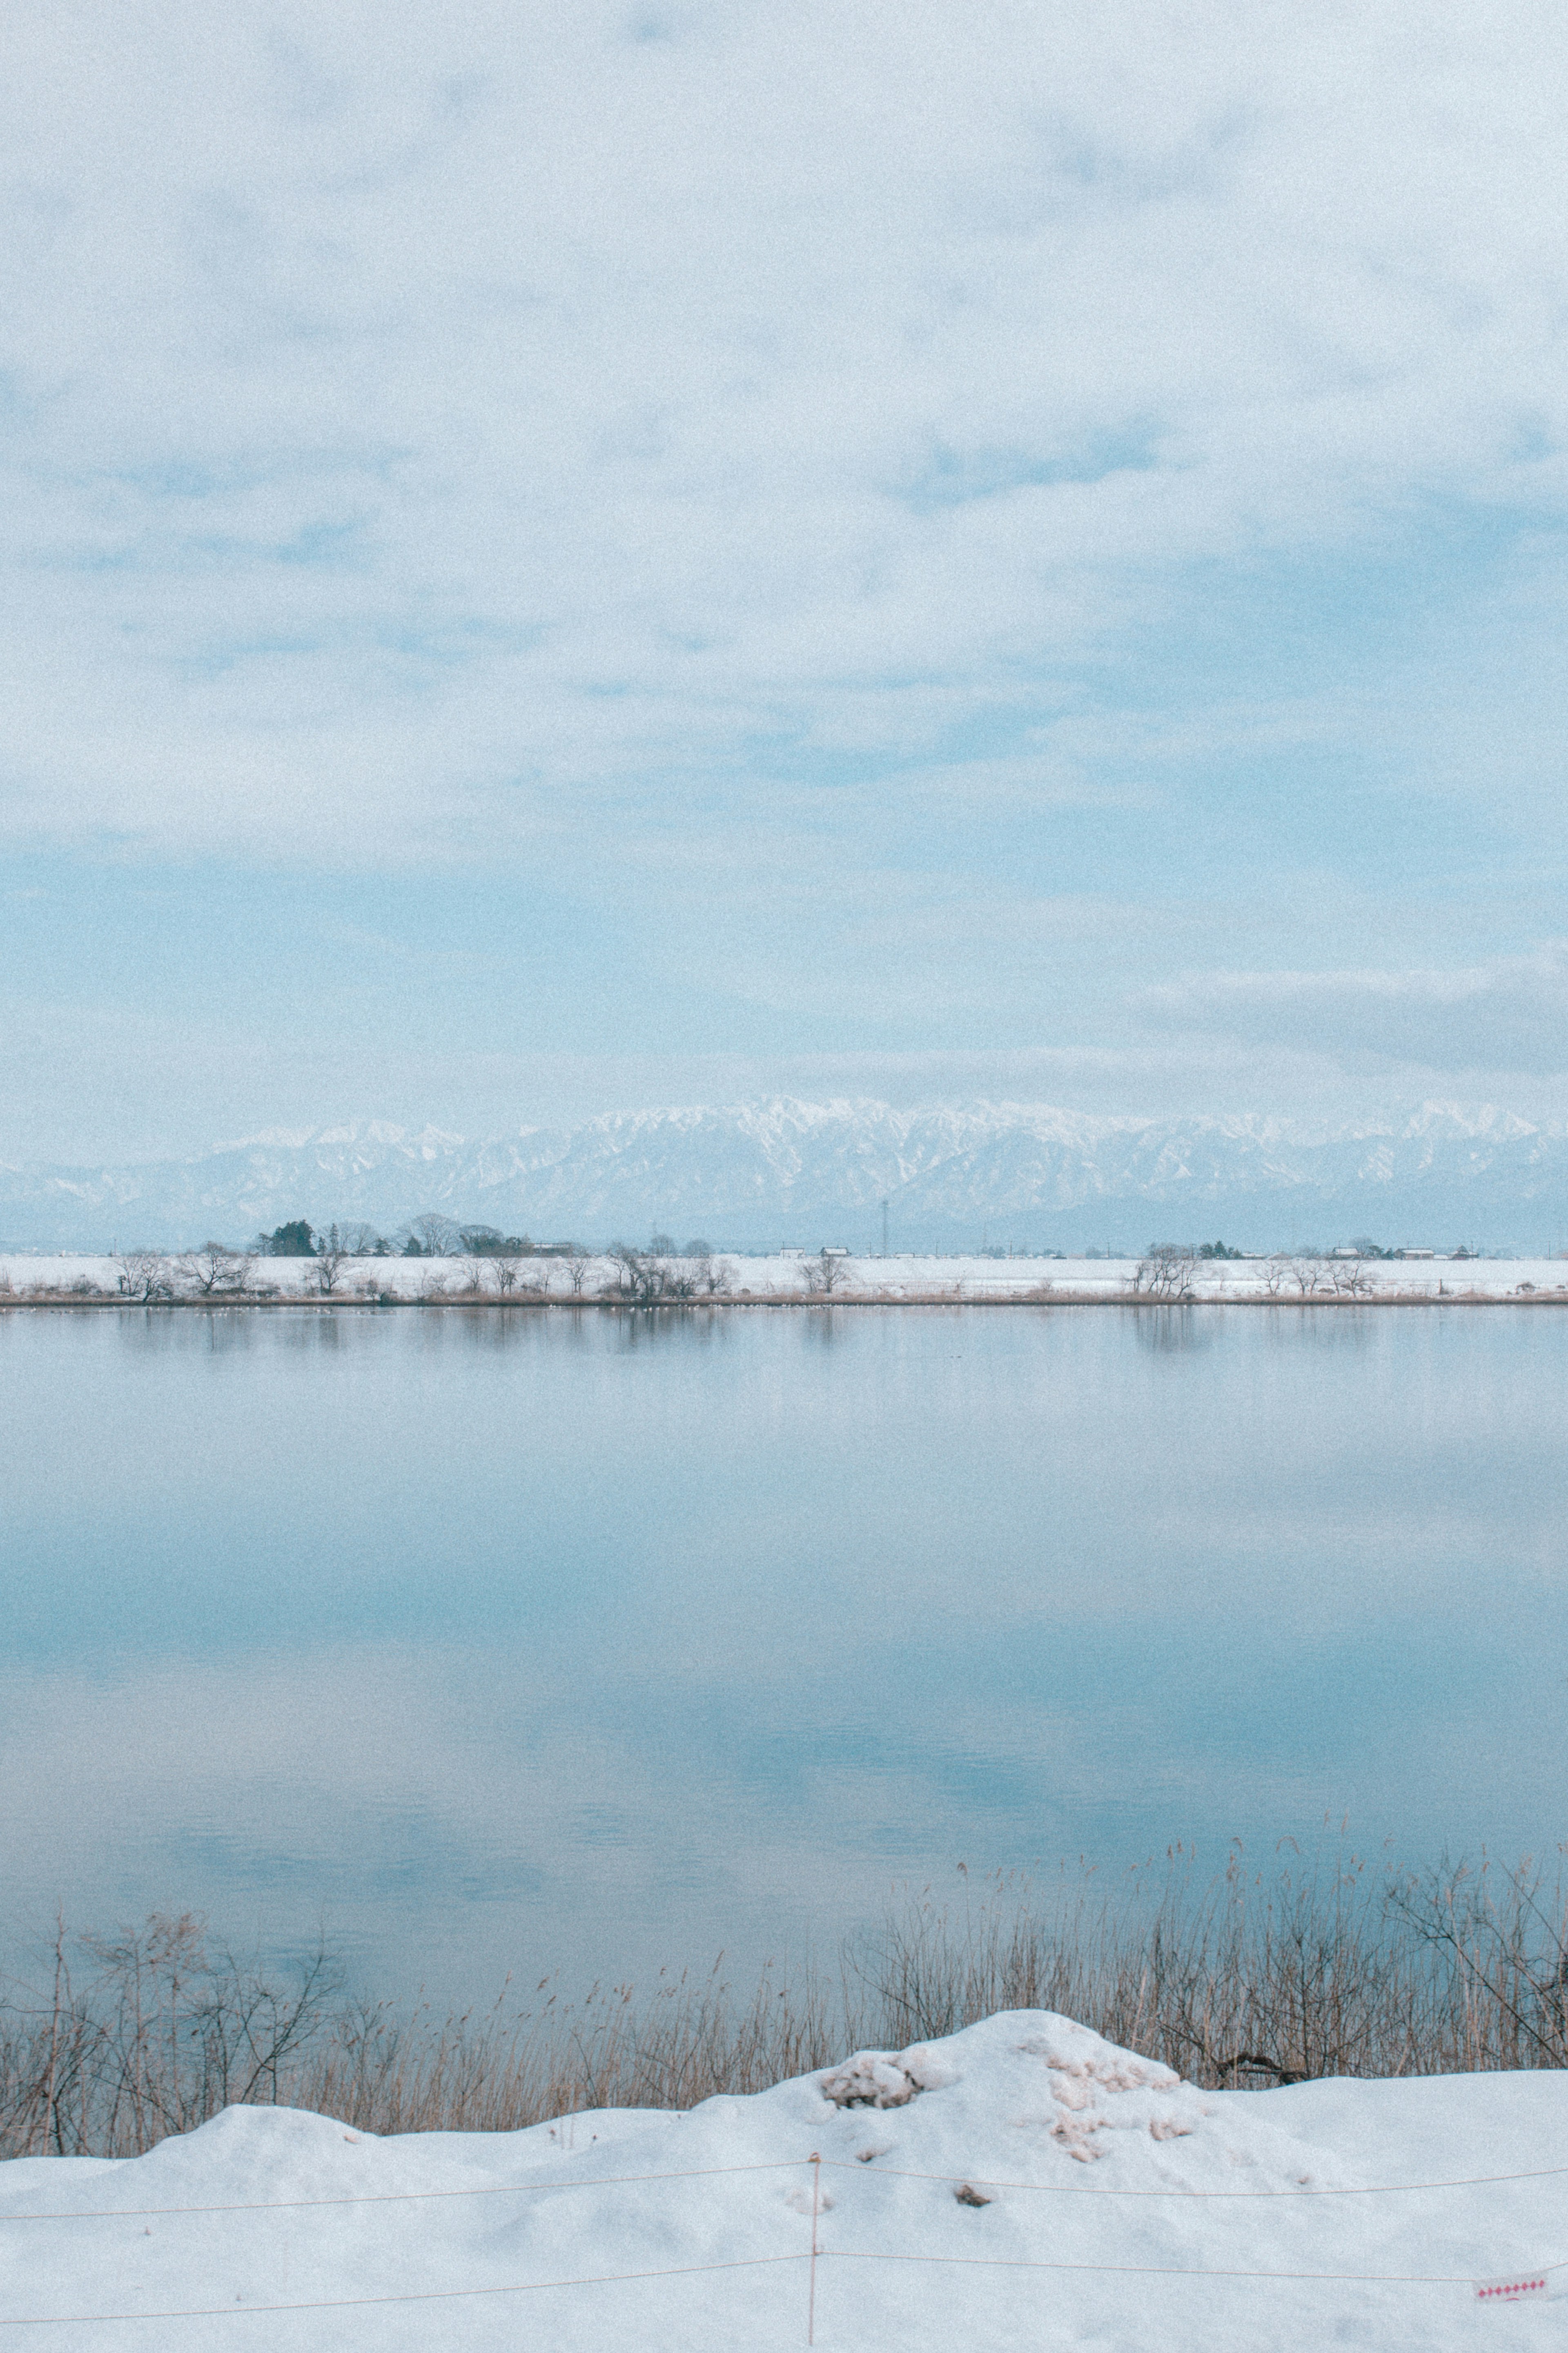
<point>426,1237</point>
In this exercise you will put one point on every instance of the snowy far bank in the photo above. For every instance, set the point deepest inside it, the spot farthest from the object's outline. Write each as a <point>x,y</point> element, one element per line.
<point>1025,2184</point>
<point>730,1279</point>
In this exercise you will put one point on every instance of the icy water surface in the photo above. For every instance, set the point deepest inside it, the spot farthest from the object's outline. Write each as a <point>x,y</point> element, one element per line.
<point>503,1642</point>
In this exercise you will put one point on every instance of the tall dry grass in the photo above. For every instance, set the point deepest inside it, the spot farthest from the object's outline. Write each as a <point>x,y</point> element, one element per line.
<point>1326,1968</point>
<point>1323,1967</point>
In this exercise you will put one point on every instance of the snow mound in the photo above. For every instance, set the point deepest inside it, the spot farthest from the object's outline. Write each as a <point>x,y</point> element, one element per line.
<point>1090,2082</point>
<point>874,2080</point>
<point>1027,2184</point>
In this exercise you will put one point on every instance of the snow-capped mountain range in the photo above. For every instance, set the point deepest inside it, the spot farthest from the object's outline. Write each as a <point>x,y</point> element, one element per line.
<point>761,1173</point>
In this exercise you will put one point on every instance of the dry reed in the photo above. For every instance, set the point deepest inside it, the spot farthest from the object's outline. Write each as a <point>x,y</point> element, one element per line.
<point>1327,1968</point>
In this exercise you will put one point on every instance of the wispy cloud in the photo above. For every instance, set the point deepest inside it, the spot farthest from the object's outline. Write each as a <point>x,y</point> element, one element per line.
<point>1102,473</point>
<point>661,383</point>
<point>1508,1014</point>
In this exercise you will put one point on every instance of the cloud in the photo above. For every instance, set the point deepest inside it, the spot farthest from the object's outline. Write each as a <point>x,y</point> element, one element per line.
<point>419,428</point>
<point>1509,1014</point>
<point>891,536</point>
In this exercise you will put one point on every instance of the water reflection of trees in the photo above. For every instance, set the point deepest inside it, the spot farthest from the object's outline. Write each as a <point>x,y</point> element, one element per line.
<point>1173,1331</point>
<point>498,1328</point>
<point>495,1328</point>
<point>665,1326</point>
<point>457,1331</point>
<point>1325,1326</point>
<point>214,1331</point>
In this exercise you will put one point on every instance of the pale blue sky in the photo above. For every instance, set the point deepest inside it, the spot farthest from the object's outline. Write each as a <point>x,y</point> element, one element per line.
<point>558,558</point>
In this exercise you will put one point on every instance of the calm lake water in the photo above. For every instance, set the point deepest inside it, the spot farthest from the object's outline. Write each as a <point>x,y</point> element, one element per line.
<point>516,1643</point>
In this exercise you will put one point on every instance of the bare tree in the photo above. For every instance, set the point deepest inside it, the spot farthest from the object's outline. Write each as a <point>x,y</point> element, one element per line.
<point>439,1237</point>
<point>506,1266</point>
<point>1306,1274</point>
<point>718,1273</point>
<point>1274,1271</point>
<point>639,1277</point>
<point>825,1273</point>
<point>330,1259</point>
<point>1165,1271</point>
<point>216,1269</point>
<point>144,1276</point>
<point>577,1265</point>
<point>652,1284</point>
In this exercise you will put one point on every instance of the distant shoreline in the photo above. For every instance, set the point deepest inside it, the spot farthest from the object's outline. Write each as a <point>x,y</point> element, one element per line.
<point>170,1281</point>
<point>705,1306</point>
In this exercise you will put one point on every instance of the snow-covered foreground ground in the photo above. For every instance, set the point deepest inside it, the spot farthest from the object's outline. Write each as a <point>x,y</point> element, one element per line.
<point>1103,2204</point>
<point>734,1279</point>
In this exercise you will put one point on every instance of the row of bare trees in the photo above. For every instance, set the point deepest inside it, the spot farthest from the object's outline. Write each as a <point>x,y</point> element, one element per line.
<point>334,1271</point>
<point>647,1278</point>
<point>1312,1278</point>
<point>1168,1271</point>
<point>214,1271</point>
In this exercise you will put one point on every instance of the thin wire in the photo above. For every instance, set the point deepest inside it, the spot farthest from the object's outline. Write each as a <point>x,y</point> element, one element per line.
<point>393,2197</point>
<point>779,2165</point>
<point>419,2295</point>
<point>1174,2271</point>
<point>1068,2190</point>
<point>754,2262</point>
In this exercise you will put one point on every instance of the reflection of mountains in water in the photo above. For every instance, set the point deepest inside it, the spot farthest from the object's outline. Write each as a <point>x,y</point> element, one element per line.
<point>758,1173</point>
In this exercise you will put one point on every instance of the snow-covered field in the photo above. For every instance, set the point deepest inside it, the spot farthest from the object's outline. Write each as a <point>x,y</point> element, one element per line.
<point>1031,2187</point>
<point>733,1277</point>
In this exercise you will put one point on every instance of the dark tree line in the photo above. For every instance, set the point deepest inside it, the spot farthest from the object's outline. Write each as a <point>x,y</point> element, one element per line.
<point>431,1235</point>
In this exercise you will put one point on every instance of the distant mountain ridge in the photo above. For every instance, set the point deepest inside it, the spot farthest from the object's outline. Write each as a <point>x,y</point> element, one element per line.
<point>756,1174</point>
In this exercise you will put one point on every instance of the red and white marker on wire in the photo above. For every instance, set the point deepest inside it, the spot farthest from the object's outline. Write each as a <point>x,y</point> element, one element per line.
<point>1513,2289</point>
